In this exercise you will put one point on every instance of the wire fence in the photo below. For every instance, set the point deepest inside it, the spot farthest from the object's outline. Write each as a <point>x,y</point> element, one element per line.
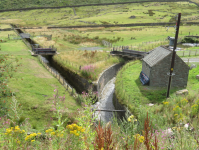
<point>185,53</point>
<point>57,75</point>
<point>106,43</point>
<point>144,46</point>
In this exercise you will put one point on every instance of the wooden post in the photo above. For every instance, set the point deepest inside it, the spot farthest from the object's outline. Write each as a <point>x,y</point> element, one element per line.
<point>188,62</point>
<point>195,52</point>
<point>183,53</point>
<point>174,53</point>
<point>189,52</point>
<point>67,86</point>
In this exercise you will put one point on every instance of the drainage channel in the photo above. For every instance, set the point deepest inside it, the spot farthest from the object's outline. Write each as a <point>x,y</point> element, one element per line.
<point>52,64</point>
<point>105,109</point>
<point>105,103</point>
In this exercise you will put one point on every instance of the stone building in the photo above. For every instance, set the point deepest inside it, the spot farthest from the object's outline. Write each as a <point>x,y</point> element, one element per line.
<point>157,64</point>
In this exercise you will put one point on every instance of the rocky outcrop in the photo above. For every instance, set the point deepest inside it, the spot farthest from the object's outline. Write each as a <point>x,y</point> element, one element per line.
<point>182,92</point>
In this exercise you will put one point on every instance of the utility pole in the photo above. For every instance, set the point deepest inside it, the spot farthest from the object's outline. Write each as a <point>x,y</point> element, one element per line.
<point>174,53</point>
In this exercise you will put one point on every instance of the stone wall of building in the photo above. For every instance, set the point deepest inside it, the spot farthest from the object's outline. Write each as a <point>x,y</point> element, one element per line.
<point>146,69</point>
<point>159,77</point>
<point>182,72</point>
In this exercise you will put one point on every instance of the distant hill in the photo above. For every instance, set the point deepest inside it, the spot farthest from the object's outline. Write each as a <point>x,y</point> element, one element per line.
<point>17,4</point>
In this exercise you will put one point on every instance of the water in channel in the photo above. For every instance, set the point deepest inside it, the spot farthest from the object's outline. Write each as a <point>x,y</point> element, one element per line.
<point>105,103</point>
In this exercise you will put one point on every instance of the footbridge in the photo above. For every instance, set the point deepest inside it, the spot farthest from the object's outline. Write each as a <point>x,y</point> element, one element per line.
<point>130,54</point>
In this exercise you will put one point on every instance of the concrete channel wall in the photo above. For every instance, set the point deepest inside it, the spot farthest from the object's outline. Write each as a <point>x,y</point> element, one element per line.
<point>119,106</point>
<point>105,77</point>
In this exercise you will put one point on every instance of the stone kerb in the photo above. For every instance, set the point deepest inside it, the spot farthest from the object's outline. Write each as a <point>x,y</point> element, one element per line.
<point>105,77</point>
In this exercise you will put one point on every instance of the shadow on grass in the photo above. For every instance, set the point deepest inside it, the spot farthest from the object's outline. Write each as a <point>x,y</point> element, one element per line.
<point>154,94</point>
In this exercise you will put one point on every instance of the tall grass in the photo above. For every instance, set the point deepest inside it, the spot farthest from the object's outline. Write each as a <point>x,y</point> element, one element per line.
<point>87,64</point>
<point>135,133</point>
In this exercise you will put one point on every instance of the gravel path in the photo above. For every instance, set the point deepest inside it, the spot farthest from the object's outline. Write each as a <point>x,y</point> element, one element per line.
<point>106,102</point>
<point>90,48</point>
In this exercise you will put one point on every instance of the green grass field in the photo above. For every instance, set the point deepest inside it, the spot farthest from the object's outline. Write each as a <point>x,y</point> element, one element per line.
<point>33,89</point>
<point>111,14</point>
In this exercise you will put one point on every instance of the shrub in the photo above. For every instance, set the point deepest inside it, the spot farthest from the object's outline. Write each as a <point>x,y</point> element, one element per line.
<point>190,40</point>
<point>88,72</point>
<point>97,37</point>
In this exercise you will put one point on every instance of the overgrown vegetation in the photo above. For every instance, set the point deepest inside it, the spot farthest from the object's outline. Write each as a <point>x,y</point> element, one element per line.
<point>135,96</point>
<point>190,40</point>
<point>137,133</point>
<point>88,64</point>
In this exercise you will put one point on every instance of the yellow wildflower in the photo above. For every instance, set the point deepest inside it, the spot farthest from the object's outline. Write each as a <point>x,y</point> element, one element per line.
<point>52,133</point>
<point>39,133</point>
<point>82,130</point>
<point>165,103</point>
<point>137,135</point>
<point>19,142</point>
<point>141,139</point>
<point>77,134</point>
<point>32,140</point>
<point>75,131</point>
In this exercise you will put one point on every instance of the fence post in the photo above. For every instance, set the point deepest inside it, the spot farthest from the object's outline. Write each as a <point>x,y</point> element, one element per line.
<point>183,53</point>
<point>195,52</point>
<point>189,52</point>
<point>188,62</point>
<point>67,87</point>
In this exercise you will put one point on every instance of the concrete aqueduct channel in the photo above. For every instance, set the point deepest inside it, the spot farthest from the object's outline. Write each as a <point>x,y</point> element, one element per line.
<point>104,85</point>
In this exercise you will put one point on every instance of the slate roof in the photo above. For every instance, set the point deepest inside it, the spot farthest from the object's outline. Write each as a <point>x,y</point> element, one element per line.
<point>156,55</point>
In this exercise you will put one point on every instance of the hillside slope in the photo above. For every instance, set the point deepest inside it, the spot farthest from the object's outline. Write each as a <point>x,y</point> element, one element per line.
<point>16,4</point>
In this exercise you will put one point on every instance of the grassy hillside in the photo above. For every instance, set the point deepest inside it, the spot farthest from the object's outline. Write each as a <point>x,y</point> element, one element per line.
<point>154,12</point>
<point>16,4</point>
<point>33,89</point>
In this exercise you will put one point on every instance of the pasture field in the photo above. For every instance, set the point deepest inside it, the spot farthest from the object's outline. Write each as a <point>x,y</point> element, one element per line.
<point>110,14</point>
<point>33,89</point>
